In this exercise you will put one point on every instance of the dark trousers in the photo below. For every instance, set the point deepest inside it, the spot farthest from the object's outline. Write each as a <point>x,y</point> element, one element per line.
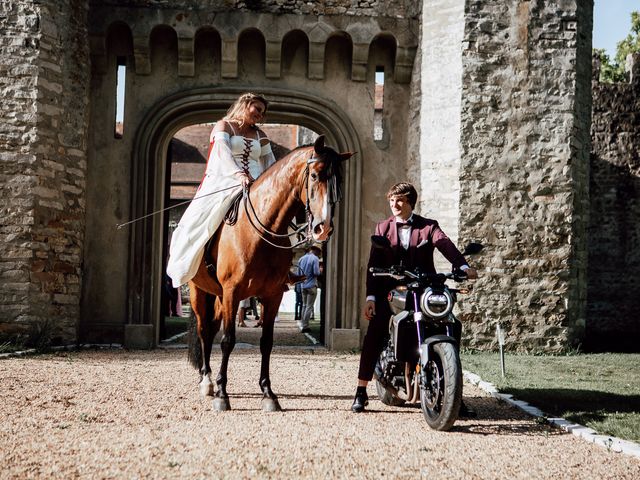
<point>298,306</point>
<point>376,337</point>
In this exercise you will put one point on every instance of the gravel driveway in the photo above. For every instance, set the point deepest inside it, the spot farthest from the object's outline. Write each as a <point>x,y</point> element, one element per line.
<point>132,414</point>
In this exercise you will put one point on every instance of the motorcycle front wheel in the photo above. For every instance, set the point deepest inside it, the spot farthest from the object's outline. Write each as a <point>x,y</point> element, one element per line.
<point>441,387</point>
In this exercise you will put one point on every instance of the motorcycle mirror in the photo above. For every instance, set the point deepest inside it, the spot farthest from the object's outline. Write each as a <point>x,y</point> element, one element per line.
<point>380,241</point>
<point>472,248</point>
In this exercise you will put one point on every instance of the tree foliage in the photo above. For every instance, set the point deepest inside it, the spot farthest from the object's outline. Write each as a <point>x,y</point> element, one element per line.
<point>614,70</point>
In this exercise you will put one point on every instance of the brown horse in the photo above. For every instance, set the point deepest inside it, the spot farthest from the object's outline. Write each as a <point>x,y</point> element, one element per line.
<point>254,261</point>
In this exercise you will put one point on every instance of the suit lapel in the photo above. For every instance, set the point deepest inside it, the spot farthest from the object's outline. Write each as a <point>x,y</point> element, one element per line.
<point>413,243</point>
<point>417,226</point>
<point>393,233</point>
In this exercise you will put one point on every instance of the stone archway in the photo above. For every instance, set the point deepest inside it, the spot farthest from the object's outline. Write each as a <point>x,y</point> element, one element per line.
<point>182,69</point>
<point>149,174</point>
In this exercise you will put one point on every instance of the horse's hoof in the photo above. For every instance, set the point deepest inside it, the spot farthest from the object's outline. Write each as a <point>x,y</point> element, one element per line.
<point>270,405</point>
<point>221,404</point>
<point>206,390</point>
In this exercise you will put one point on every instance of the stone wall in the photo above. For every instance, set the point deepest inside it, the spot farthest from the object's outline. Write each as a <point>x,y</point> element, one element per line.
<point>614,227</point>
<point>44,76</point>
<point>372,8</point>
<point>524,169</point>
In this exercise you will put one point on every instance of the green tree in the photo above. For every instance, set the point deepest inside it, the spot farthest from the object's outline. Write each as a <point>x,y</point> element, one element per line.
<point>613,70</point>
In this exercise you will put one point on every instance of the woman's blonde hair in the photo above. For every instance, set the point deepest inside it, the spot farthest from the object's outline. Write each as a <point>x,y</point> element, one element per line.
<point>240,106</point>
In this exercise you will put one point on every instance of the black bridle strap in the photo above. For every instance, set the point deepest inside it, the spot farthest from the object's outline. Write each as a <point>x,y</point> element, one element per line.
<point>247,200</point>
<point>255,227</point>
<point>309,215</point>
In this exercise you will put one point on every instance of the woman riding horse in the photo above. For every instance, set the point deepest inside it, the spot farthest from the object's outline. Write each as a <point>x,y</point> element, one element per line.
<point>238,153</point>
<point>252,257</point>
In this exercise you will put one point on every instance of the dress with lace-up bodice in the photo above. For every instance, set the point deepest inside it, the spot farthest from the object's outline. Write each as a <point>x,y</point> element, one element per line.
<point>228,155</point>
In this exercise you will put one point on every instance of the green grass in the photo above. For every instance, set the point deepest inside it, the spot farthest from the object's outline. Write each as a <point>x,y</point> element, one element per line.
<point>314,326</point>
<point>8,346</point>
<point>175,325</point>
<point>601,391</point>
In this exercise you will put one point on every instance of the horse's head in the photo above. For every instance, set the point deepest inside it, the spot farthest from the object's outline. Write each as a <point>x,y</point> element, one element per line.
<point>323,186</point>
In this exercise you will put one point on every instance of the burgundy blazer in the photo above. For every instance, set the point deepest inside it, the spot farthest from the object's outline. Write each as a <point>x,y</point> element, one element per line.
<point>425,236</point>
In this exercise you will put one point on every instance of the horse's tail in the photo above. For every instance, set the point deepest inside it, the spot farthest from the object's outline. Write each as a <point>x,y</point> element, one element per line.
<point>195,351</point>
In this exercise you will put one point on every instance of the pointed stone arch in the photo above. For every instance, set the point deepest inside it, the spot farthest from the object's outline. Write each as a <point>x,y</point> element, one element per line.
<point>149,174</point>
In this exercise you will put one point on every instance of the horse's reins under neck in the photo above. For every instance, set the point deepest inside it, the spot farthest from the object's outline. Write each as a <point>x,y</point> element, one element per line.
<point>333,193</point>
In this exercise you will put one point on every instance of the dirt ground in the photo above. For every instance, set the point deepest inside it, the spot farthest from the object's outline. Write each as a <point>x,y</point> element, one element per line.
<point>133,414</point>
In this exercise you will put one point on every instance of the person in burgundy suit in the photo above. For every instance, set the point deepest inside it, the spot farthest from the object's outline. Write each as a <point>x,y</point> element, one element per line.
<point>413,239</point>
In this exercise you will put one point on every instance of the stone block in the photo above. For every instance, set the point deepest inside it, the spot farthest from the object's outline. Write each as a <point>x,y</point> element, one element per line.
<point>345,339</point>
<point>139,336</point>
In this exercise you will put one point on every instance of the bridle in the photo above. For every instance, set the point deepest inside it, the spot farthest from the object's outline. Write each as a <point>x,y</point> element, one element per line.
<point>333,192</point>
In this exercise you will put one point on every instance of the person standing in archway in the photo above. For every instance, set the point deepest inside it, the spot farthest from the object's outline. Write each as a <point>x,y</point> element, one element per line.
<point>239,152</point>
<point>310,266</point>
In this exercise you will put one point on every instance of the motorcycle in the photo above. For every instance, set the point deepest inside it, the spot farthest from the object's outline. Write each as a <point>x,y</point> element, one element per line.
<point>421,358</point>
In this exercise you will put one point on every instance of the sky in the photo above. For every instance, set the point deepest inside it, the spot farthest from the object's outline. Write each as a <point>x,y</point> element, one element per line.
<point>612,22</point>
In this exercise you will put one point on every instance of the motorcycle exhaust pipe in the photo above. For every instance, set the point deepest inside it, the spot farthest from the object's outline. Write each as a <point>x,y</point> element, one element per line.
<point>407,382</point>
<point>416,385</point>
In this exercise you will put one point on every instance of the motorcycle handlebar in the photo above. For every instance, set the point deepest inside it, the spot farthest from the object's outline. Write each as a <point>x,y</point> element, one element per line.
<point>399,273</point>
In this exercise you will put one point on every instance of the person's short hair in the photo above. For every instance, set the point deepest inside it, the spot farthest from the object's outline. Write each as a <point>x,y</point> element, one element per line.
<point>315,249</point>
<point>404,189</point>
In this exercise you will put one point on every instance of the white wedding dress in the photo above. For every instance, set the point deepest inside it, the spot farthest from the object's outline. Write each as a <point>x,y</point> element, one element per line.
<point>228,155</point>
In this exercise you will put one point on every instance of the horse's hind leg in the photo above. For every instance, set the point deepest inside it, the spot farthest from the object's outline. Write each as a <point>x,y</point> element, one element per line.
<point>202,305</point>
<point>228,342</point>
<point>270,310</point>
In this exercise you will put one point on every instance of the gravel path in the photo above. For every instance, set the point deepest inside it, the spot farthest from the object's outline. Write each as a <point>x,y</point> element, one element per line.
<point>120,414</point>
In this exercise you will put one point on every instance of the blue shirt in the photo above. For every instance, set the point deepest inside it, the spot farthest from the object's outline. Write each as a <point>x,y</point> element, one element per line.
<point>310,266</point>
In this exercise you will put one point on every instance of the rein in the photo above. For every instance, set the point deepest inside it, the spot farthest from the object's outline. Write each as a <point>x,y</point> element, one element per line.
<point>331,182</point>
<point>120,225</point>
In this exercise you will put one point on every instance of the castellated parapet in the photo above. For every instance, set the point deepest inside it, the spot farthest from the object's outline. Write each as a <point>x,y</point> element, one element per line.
<point>614,223</point>
<point>44,78</point>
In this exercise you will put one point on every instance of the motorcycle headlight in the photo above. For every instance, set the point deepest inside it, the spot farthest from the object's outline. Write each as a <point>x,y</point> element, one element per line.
<point>436,303</point>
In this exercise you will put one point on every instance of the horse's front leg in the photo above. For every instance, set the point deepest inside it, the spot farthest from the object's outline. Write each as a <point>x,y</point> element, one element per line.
<point>202,307</point>
<point>229,309</point>
<point>270,310</point>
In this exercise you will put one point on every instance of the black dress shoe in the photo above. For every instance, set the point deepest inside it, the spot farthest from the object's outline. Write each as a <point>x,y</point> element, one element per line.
<point>466,412</point>
<point>361,401</point>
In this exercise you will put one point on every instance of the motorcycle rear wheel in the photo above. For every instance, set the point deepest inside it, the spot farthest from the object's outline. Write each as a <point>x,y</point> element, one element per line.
<point>387,397</point>
<point>441,387</point>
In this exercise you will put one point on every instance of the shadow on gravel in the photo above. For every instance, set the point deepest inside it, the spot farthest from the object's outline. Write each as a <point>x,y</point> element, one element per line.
<point>491,410</point>
<point>584,405</point>
<point>511,429</point>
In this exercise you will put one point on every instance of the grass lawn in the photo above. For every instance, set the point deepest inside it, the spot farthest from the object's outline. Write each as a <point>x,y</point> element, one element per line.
<point>175,325</point>
<point>314,326</point>
<point>601,391</point>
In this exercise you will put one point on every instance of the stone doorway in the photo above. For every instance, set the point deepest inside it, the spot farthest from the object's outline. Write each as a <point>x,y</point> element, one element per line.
<point>186,162</point>
<point>318,73</point>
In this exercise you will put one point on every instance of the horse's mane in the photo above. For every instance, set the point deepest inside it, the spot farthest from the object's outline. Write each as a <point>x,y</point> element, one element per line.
<point>334,162</point>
